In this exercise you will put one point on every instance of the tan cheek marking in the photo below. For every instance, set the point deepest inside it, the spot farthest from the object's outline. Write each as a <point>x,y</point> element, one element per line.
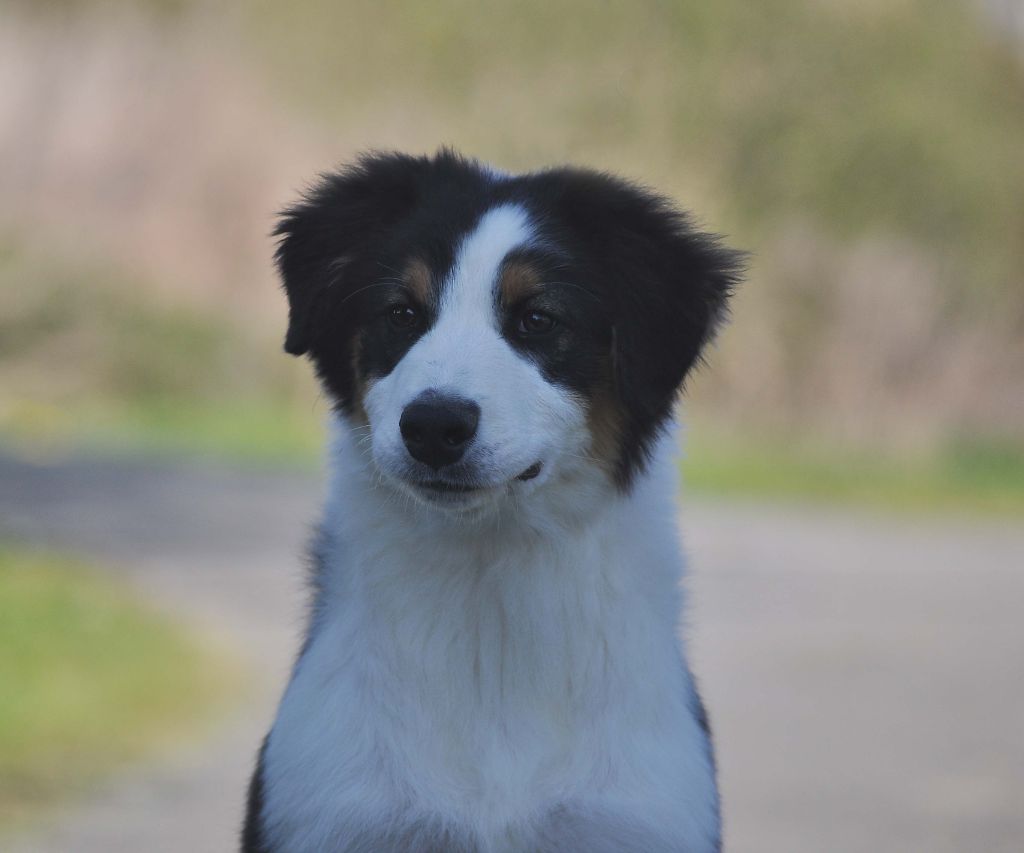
<point>518,281</point>
<point>418,279</point>
<point>605,421</point>
<point>606,418</point>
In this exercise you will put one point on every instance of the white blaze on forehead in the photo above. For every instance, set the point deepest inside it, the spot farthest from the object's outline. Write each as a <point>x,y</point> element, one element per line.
<point>524,418</point>
<point>473,281</point>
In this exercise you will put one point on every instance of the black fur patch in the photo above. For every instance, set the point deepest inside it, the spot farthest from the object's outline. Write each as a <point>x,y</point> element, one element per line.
<point>252,829</point>
<point>636,289</point>
<point>576,352</point>
<point>662,284</point>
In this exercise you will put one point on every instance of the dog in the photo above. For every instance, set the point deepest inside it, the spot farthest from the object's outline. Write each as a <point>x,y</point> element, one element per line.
<point>492,660</point>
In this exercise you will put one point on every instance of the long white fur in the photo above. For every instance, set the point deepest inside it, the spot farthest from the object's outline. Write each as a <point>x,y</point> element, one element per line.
<point>484,669</point>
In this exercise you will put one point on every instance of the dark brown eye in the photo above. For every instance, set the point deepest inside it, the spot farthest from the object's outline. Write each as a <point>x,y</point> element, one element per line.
<point>536,323</point>
<point>403,316</point>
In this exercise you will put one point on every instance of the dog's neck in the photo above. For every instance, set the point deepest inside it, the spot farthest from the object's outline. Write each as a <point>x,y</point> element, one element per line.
<point>512,656</point>
<point>493,597</point>
<point>575,510</point>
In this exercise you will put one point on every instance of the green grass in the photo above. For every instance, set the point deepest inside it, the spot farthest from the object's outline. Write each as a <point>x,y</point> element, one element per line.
<point>965,479</point>
<point>74,333</point>
<point>90,678</point>
<point>267,432</point>
<point>88,361</point>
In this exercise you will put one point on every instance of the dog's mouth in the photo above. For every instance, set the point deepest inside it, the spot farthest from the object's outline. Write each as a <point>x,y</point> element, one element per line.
<point>531,472</point>
<point>443,487</point>
<point>455,488</point>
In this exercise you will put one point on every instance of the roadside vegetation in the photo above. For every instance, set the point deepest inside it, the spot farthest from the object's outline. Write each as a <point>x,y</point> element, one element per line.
<point>105,372</point>
<point>868,154</point>
<point>964,479</point>
<point>90,678</point>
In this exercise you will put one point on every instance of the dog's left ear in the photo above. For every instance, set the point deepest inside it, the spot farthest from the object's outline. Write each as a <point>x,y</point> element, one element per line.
<point>341,217</point>
<point>667,285</point>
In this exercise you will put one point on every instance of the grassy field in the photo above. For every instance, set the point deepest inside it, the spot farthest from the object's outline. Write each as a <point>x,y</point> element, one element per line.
<point>966,478</point>
<point>90,678</point>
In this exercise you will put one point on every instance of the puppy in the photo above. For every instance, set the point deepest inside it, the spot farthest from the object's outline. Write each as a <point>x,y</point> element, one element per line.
<point>492,660</point>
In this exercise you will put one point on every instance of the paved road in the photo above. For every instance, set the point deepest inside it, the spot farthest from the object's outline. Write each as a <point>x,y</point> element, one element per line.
<point>865,676</point>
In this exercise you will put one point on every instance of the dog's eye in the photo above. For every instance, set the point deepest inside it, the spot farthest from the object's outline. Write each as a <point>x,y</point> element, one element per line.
<point>536,323</point>
<point>403,316</point>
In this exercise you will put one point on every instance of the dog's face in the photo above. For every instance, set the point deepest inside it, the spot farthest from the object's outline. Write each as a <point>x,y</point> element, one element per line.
<point>490,332</point>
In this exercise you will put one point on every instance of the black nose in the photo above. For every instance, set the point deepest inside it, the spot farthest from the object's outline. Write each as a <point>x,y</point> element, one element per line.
<point>436,429</point>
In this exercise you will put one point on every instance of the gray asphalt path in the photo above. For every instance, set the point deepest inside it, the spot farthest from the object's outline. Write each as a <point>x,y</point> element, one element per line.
<point>865,676</point>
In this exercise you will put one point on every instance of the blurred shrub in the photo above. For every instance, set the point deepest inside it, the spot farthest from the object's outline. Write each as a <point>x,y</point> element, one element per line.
<point>868,153</point>
<point>87,355</point>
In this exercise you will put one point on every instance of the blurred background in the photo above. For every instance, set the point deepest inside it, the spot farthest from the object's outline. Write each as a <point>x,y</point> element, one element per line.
<point>855,453</point>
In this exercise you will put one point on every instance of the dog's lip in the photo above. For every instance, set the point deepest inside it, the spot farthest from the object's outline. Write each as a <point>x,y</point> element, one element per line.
<point>530,472</point>
<point>454,487</point>
<point>446,486</point>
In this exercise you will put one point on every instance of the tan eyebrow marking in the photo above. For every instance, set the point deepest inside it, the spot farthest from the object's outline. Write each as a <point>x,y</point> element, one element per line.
<point>418,279</point>
<point>605,422</point>
<point>519,280</point>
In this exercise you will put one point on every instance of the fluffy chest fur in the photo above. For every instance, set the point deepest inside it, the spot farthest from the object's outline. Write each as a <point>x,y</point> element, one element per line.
<point>472,688</point>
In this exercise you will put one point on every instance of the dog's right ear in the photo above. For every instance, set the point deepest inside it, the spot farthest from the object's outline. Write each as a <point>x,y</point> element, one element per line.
<point>343,214</point>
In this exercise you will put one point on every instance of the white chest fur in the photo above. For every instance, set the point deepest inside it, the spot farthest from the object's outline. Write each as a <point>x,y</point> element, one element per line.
<point>481,677</point>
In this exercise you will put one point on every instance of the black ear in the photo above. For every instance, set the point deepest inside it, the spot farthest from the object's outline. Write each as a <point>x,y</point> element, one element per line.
<point>667,285</point>
<point>341,215</point>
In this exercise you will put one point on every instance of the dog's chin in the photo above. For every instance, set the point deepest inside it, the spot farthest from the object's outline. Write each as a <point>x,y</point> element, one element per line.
<point>474,502</point>
<point>462,498</point>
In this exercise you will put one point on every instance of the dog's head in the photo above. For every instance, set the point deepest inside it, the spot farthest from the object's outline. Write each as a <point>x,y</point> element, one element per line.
<point>491,331</point>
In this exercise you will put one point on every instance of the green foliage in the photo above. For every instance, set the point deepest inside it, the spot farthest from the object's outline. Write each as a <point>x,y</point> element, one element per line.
<point>89,678</point>
<point>965,478</point>
<point>254,431</point>
<point>115,337</point>
<point>90,359</point>
<point>900,117</point>
<point>163,9</point>
<point>869,154</point>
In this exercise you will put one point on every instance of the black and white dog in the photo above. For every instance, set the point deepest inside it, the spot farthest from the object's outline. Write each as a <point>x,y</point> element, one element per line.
<point>492,660</point>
